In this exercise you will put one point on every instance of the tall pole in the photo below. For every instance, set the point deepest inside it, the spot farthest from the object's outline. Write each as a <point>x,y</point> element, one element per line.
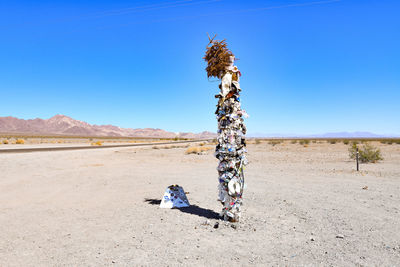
<point>231,144</point>
<point>357,159</point>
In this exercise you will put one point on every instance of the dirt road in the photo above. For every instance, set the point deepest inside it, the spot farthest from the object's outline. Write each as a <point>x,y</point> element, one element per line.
<point>302,205</point>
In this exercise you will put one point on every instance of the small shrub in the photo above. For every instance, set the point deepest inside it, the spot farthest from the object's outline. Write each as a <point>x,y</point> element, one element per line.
<point>304,142</point>
<point>274,142</point>
<point>367,153</point>
<point>98,143</point>
<point>258,141</point>
<point>397,141</point>
<point>20,141</point>
<point>293,142</point>
<point>332,141</point>
<point>346,142</point>
<point>197,149</point>
<point>314,141</point>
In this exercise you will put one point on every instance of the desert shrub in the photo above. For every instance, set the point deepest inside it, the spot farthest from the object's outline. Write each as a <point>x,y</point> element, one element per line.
<point>383,141</point>
<point>274,142</point>
<point>155,147</point>
<point>5,141</point>
<point>314,141</point>
<point>332,141</point>
<point>304,142</point>
<point>293,141</point>
<point>389,142</point>
<point>197,149</point>
<point>397,141</point>
<point>20,141</point>
<point>346,142</point>
<point>258,141</point>
<point>367,153</point>
<point>98,143</point>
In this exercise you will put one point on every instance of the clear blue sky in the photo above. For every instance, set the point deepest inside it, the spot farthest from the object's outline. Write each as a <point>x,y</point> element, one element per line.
<point>308,66</point>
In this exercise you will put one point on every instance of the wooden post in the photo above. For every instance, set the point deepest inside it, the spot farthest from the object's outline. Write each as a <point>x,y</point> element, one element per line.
<point>357,159</point>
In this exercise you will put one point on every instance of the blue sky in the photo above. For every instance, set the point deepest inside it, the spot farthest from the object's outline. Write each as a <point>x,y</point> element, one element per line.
<point>308,67</point>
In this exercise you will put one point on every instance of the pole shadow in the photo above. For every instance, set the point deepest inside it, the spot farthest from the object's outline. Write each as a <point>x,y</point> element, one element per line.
<point>192,209</point>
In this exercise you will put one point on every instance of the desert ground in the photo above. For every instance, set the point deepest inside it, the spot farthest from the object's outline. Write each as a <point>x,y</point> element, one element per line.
<point>303,205</point>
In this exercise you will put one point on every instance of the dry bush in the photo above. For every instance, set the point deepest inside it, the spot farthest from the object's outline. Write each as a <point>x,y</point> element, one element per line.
<point>98,143</point>
<point>275,142</point>
<point>258,141</point>
<point>20,141</point>
<point>217,57</point>
<point>197,149</point>
<point>332,141</point>
<point>346,142</point>
<point>294,141</point>
<point>367,153</point>
<point>304,142</point>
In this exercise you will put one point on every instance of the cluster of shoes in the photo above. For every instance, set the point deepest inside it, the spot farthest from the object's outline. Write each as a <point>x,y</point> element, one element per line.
<point>231,147</point>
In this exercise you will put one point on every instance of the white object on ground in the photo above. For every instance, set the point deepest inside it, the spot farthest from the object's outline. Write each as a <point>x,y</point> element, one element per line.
<point>174,197</point>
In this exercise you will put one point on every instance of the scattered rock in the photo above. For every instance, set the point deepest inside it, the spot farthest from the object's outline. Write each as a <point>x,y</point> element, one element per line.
<point>207,222</point>
<point>234,226</point>
<point>365,188</point>
<point>312,238</point>
<point>340,236</point>
<point>216,225</point>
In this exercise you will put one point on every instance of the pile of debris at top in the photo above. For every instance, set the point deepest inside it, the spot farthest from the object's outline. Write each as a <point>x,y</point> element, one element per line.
<point>218,58</point>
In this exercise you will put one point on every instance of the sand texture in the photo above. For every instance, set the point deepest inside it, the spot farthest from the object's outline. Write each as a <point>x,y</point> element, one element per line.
<point>302,206</point>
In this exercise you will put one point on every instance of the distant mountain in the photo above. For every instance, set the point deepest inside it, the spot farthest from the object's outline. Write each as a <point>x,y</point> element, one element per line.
<point>64,125</point>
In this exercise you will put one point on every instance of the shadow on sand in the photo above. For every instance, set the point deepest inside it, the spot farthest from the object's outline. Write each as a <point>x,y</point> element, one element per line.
<point>193,209</point>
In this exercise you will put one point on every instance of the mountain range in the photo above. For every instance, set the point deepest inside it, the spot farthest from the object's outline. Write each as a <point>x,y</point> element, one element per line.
<point>64,125</point>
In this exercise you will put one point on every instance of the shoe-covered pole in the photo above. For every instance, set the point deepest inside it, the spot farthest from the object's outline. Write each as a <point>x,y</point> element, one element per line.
<point>231,144</point>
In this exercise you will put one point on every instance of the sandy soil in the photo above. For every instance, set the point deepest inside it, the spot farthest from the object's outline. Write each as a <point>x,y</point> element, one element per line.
<point>303,205</point>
